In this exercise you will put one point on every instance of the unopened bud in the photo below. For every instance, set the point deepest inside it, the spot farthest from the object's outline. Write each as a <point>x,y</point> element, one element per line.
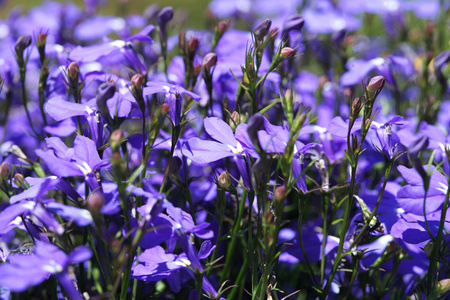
<point>165,108</point>
<point>286,52</point>
<point>273,33</point>
<point>263,28</point>
<point>72,71</point>
<point>20,181</point>
<point>193,45</point>
<point>137,80</point>
<point>209,60</point>
<point>224,180</point>
<point>42,39</point>
<point>323,80</point>
<point>375,84</point>
<point>4,170</point>
<point>222,27</point>
<point>116,139</point>
<point>280,193</point>
<point>164,16</point>
<point>443,286</point>
<point>235,120</point>
<point>96,202</point>
<point>356,105</point>
<point>22,43</point>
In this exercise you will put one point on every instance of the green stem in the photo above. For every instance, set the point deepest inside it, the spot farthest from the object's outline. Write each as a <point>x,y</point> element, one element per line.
<point>325,206</point>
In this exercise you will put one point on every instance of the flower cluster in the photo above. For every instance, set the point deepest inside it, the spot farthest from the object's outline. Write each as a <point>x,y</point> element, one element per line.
<point>305,158</point>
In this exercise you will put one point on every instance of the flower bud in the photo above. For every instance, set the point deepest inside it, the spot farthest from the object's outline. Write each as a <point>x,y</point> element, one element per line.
<point>165,108</point>
<point>42,39</point>
<point>273,33</point>
<point>73,71</point>
<point>262,30</point>
<point>22,43</point>
<point>164,16</point>
<point>137,81</point>
<point>375,84</point>
<point>192,46</point>
<point>40,43</point>
<point>280,193</point>
<point>224,180</point>
<point>222,27</point>
<point>4,170</point>
<point>116,139</point>
<point>356,106</point>
<point>235,120</point>
<point>443,286</point>
<point>20,181</point>
<point>209,60</point>
<point>96,202</point>
<point>286,52</point>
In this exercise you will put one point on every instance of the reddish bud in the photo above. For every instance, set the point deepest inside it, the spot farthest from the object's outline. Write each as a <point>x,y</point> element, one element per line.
<point>4,170</point>
<point>115,139</point>
<point>222,27</point>
<point>280,193</point>
<point>96,202</point>
<point>42,39</point>
<point>165,108</point>
<point>73,70</point>
<point>137,81</point>
<point>193,45</point>
<point>273,33</point>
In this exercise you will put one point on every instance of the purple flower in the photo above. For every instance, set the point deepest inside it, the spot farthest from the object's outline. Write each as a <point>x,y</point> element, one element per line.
<point>410,197</point>
<point>82,160</point>
<point>173,95</point>
<point>24,271</point>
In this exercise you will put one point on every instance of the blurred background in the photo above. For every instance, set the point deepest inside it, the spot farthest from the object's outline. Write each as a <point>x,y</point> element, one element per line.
<point>190,13</point>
